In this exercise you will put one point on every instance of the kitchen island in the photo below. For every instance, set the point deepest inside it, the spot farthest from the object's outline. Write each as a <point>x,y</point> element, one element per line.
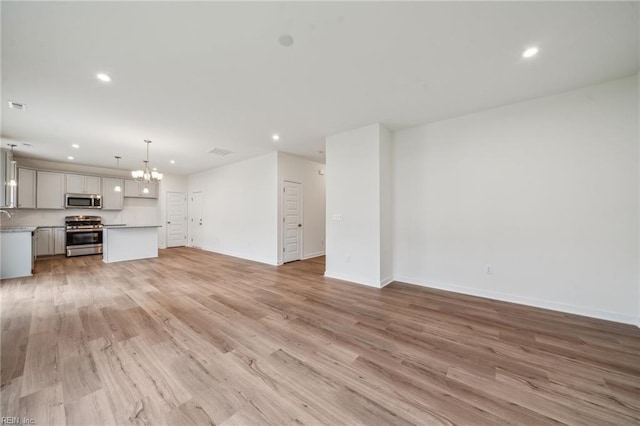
<point>16,251</point>
<point>129,242</point>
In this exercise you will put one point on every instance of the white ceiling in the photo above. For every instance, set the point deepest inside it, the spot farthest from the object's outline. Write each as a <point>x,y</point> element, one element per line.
<point>197,76</point>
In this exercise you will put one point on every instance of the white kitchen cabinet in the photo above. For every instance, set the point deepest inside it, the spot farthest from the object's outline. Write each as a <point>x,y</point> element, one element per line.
<point>59,240</point>
<point>131,189</point>
<point>153,190</point>
<point>50,190</point>
<point>81,184</point>
<point>50,241</point>
<point>93,184</point>
<point>112,199</point>
<point>26,188</point>
<point>44,242</point>
<point>15,254</point>
<point>135,189</point>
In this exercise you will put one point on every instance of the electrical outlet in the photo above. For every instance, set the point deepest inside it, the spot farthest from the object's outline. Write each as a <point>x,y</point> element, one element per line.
<point>488,269</point>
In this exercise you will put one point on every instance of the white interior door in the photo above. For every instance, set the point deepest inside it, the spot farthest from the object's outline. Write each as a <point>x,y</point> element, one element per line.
<point>195,219</point>
<point>176,219</point>
<point>292,209</point>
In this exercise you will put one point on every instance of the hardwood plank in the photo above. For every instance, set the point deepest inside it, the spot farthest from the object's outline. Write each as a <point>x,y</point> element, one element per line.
<point>10,397</point>
<point>41,364</point>
<point>79,377</point>
<point>93,409</point>
<point>199,338</point>
<point>45,406</point>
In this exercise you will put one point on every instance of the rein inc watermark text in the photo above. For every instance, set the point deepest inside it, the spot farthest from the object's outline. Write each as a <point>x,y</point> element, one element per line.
<point>17,421</point>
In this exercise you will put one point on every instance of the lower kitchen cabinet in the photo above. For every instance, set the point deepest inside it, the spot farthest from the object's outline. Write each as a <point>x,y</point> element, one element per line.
<point>16,254</point>
<point>50,241</point>
<point>59,240</point>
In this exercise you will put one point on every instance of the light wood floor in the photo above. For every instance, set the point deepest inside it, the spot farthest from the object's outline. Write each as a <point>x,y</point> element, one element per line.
<point>198,338</point>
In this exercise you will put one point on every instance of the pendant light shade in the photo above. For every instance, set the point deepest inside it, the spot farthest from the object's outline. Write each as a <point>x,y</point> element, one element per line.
<point>117,188</point>
<point>13,182</point>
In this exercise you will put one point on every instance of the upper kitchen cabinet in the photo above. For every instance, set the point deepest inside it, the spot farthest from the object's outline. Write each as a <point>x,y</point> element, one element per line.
<point>135,189</point>
<point>112,199</point>
<point>81,184</point>
<point>26,188</point>
<point>50,190</point>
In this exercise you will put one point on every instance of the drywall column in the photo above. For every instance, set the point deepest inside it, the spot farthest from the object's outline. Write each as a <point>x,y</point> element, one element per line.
<point>358,225</point>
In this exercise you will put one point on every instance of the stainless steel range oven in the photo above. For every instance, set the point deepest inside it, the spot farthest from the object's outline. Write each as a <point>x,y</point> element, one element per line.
<point>84,235</point>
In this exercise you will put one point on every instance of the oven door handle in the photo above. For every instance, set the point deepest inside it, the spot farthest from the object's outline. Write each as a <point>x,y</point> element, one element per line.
<point>84,230</point>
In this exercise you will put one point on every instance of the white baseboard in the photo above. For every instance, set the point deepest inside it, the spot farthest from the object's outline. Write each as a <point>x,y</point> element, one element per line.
<point>352,278</point>
<point>312,255</point>
<point>545,304</point>
<point>386,281</point>
<point>242,256</point>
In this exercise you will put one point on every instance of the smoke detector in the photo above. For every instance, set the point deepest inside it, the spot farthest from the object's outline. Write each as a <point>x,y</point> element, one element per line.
<point>219,151</point>
<point>17,105</point>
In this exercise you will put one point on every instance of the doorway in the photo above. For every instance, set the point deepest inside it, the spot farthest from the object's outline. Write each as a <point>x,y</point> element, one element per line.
<point>292,221</point>
<point>195,219</point>
<point>176,219</point>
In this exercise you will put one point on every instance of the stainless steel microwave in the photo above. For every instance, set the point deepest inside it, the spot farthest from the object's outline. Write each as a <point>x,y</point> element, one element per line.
<point>83,201</point>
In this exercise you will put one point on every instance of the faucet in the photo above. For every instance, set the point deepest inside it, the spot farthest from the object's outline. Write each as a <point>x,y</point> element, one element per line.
<point>6,212</point>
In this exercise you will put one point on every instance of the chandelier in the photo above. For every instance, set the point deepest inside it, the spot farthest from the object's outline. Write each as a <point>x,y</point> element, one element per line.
<point>146,175</point>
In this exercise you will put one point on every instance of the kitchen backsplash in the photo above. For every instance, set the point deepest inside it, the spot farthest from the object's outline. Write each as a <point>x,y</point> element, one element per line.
<point>137,211</point>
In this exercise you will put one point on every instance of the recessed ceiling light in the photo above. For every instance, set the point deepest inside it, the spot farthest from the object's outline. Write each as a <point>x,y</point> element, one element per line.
<point>103,77</point>
<point>275,137</point>
<point>530,52</point>
<point>173,161</point>
<point>75,145</point>
<point>285,40</point>
<point>69,158</point>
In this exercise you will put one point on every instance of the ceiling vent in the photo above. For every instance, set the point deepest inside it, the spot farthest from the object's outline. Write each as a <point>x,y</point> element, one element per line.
<point>219,151</point>
<point>17,105</point>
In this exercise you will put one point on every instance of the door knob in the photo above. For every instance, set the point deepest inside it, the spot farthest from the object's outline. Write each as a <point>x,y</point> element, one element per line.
<point>299,225</point>
<point>168,223</point>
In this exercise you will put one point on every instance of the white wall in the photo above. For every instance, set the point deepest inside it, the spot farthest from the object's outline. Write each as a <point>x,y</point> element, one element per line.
<point>546,191</point>
<point>353,206</point>
<point>305,172</point>
<point>240,208</point>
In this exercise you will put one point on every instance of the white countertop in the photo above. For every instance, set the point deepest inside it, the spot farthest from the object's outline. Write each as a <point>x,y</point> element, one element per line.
<point>18,228</point>
<point>119,226</point>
